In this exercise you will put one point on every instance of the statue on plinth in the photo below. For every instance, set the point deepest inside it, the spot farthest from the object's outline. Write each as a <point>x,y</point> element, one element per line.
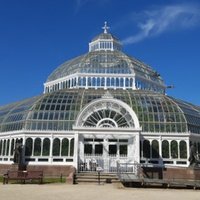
<point>193,158</point>
<point>18,154</point>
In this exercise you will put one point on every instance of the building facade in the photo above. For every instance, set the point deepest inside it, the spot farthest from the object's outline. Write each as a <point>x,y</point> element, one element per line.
<point>100,109</point>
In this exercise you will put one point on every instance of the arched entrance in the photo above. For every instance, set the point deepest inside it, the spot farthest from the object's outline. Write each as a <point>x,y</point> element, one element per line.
<point>108,132</point>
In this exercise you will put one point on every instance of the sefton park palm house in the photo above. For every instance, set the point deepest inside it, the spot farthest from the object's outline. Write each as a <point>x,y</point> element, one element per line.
<point>103,107</point>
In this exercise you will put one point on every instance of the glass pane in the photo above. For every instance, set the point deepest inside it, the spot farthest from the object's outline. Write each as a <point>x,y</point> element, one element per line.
<point>146,149</point>
<point>155,149</point>
<point>65,147</point>
<point>28,146</point>
<point>8,146</point>
<point>12,147</point>
<point>72,147</point>
<point>99,149</point>
<point>37,147</point>
<point>183,149</point>
<point>56,147</point>
<point>88,149</point>
<point>165,149</point>
<point>112,149</point>
<point>174,149</point>
<point>46,147</point>
<point>123,150</point>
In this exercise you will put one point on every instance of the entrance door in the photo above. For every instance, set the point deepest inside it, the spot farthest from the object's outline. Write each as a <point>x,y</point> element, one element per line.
<point>104,153</point>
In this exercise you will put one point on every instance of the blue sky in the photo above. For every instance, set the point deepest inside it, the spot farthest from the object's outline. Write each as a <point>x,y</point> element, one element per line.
<point>36,36</point>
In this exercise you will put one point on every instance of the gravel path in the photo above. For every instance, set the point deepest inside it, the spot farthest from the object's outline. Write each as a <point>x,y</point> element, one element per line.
<point>91,192</point>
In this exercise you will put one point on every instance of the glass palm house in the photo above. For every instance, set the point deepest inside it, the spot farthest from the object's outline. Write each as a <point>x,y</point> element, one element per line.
<point>105,107</point>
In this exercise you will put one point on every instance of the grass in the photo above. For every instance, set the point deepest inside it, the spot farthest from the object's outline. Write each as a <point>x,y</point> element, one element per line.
<point>54,180</point>
<point>45,180</point>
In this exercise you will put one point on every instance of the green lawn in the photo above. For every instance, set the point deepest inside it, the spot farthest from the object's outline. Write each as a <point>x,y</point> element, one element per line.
<point>45,180</point>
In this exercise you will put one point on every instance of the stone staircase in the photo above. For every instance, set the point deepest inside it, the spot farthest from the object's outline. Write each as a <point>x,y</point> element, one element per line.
<point>92,177</point>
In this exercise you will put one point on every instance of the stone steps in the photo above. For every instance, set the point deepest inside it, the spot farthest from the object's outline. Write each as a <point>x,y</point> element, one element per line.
<point>93,178</point>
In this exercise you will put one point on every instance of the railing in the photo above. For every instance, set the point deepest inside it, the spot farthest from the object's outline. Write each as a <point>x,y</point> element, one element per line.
<point>108,164</point>
<point>129,168</point>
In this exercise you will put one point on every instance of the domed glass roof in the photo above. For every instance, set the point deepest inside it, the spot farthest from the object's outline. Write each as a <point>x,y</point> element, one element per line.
<point>105,36</point>
<point>104,62</point>
<point>58,111</point>
<point>105,66</point>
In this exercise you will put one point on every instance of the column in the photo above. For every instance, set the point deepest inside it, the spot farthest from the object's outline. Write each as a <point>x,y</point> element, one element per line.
<point>76,150</point>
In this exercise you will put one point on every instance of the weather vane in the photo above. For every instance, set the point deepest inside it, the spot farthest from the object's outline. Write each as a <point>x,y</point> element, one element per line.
<point>105,27</point>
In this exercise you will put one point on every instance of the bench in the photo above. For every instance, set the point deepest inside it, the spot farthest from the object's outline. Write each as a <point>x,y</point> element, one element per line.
<point>23,176</point>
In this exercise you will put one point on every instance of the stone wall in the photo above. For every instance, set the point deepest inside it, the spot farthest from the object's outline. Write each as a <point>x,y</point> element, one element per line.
<point>181,173</point>
<point>172,173</point>
<point>49,171</point>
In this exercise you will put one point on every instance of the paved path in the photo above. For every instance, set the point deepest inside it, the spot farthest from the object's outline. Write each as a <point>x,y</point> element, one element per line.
<point>91,192</point>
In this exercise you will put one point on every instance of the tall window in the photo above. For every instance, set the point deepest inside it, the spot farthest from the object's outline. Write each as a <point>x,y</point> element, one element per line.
<point>65,147</point>
<point>174,149</point>
<point>155,149</point>
<point>37,147</point>
<point>12,147</point>
<point>123,150</point>
<point>56,147</point>
<point>72,147</point>
<point>108,82</point>
<point>28,147</point>
<point>183,149</point>
<point>4,147</point>
<point>112,82</point>
<point>146,149</point>
<point>46,147</point>
<point>165,149</point>
<point>1,147</point>
<point>98,149</point>
<point>7,147</point>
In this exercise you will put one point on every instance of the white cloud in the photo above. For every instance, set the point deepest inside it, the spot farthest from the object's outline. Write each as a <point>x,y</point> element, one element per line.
<point>157,21</point>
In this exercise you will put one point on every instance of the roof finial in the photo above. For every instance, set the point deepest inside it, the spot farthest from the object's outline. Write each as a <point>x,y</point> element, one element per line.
<point>105,27</point>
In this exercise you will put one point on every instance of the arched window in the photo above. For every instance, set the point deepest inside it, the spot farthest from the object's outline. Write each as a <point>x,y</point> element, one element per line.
<point>165,149</point>
<point>98,81</point>
<point>183,149</point>
<point>89,81</point>
<point>121,82</point>
<point>12,147</point>
<point>84,81</point>
<point>146,149</point>
<point>155,149</point>
<point>93,81</point>
<point>7,147</point>
<point>4,147</point>
<point>46,147</point>
<point>72,147</point>
<point>108,82</point>
<point>117,82</point>
<point>102,81</point>
<point>141,148</point>
<point>56,147</point>
<point>1,146</point>
<point>198,147</point>
<point>37,147</point>
<point>69,83</point>
<point>65,147</point>
<point>127,82</point>
<point>174,149</point>
<point>112,82</point>
<point>131,82</point>
<point>28,146</point>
